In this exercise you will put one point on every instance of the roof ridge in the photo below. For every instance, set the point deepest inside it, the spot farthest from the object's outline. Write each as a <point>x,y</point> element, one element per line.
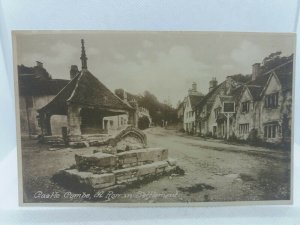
<point>76,86</point>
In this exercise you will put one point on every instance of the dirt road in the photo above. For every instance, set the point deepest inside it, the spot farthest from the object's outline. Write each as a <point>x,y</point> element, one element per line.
<point>214,171</point>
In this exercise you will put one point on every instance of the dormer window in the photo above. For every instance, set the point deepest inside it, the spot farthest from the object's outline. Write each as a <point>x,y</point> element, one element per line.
<point>245,107</point>
<point>217,112</point>
<point>271,101</point>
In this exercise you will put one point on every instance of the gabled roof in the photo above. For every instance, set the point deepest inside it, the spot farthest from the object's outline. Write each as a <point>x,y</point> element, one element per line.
<point>284,72</point>
<point>260,80</point>
<point>209,99</point>
<point>236,93</point>
<point>85,89</point>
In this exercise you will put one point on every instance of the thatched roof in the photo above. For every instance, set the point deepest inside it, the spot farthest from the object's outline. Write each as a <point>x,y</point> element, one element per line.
<point>85,90</point>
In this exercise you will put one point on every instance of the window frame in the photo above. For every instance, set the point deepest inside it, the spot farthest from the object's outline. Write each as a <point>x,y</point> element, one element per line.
<point>271,131</point>
<point>247,103</point>
<point>271,101</point>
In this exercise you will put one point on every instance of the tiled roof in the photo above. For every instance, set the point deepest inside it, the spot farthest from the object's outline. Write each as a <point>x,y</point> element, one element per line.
<point>36,81</point>
<point>236,93</point>
<point>260,80</point>
<point>85,89</point>
<point>284,73</point>
<point>195,99</point>
<point>209,99</point>
<point>255,91</point>
<point>39,87</point>
<point>226,98</point>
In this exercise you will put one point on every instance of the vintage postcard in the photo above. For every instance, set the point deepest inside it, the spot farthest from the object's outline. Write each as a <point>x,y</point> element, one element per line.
<point>154,118</point>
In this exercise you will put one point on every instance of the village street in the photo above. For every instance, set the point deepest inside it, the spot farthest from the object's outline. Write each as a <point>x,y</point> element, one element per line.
<point>214,171</point>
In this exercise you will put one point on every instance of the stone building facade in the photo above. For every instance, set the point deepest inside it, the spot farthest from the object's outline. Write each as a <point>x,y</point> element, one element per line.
<point>263,106</point>
<point>36,89</point>
<point>269,97</point>
<point>189,115</point>
<point>210,119</point>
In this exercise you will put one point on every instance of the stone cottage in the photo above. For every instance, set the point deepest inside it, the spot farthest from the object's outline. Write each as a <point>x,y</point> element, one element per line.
<point>36,89</point>
<point>210,119</point>
<point>263,105</point>
<point>189,116</point>
<point>265,109</point>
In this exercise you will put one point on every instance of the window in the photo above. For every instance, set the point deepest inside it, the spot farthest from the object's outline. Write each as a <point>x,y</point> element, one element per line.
<point>270,131</point>
<point>217,112</point>
<point>271,101</point>
<point>245,106</point>
<point>244,128</point>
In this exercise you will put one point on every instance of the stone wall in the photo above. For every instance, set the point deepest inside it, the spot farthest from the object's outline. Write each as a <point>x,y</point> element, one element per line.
<point>28,113</point>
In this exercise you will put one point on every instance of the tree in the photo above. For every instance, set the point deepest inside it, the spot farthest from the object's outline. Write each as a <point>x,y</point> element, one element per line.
<point>143,123</point>
<point>273,60</point>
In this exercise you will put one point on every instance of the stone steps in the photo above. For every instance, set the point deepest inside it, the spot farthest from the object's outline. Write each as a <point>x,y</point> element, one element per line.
<point>55,141</point>
<point>104,161</point>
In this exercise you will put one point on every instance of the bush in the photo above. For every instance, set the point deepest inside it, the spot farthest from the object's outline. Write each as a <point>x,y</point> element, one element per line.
<point>143,123</point>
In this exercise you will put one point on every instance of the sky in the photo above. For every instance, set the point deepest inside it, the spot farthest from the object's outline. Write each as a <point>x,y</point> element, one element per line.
<point>164,63</point>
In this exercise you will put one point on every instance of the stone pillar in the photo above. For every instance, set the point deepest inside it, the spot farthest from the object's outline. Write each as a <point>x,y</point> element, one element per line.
<point>133,114</point>
<point>74,119</point>
<point>133,118</point>
<point>41,118</point>
<point>48,125</point>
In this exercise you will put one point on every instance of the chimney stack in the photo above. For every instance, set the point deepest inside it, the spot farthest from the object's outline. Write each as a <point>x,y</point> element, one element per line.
<point>73,71</point>
<point>212,84</point>
<point>194,87</point>
<point>125,96</point>
<point>255,70</point>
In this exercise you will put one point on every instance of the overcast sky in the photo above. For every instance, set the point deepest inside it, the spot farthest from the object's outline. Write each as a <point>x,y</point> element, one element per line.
<point>164,63</point>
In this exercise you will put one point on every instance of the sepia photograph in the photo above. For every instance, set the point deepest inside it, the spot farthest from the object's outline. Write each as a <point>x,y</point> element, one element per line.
<point>154,118</point>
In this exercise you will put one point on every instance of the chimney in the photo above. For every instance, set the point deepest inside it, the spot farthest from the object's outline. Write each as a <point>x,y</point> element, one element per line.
<point>194,87</point>
<point>125,96</point>
<point>229,84</point>
<point>212,84</point>
<point>255,70</point>
<point>39,64</point>
<point>73,71</point>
